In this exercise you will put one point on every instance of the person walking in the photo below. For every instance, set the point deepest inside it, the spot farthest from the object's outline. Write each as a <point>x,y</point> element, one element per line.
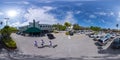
<point>50,43</point>
<point>35,44</point>
<point>42,43</point>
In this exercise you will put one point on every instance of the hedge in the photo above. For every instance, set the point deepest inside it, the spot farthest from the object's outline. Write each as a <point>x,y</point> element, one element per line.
<point>67,33</point>
<point>10,43</point>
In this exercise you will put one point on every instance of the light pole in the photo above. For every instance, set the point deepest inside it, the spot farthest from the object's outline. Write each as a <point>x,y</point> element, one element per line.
<point>58,26</point>
<point>6,20</point>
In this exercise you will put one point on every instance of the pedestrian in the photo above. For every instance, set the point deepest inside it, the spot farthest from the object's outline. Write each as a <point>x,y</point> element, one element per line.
<point>69,37</point>
<point>42,43</point>
<point>35,44</point>
<point>50,42</point>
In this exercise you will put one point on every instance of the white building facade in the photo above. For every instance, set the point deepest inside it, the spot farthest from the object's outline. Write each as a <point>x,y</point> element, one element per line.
<point>42,27</point>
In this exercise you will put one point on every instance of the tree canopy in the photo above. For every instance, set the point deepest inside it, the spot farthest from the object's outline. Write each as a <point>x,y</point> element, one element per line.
<point>7,30</point>
<point>67,24</point>
<point>59,27</point>
<point>76,27</point>
<point>95,28</point>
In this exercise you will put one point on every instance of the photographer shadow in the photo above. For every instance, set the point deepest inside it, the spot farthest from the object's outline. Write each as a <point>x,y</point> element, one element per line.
<point>54,46</point>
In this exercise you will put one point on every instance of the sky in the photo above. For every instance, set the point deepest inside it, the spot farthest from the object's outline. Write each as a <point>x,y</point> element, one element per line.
<point>101,13</point>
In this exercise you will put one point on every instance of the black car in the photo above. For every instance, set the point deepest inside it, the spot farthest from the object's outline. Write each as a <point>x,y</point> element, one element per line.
<point>71,33</point>
<point>116,43</point>
<point>50,36</point>
<point>18,33</point>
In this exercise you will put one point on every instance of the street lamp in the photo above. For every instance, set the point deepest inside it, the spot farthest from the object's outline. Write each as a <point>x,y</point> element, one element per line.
<point>6,20</point>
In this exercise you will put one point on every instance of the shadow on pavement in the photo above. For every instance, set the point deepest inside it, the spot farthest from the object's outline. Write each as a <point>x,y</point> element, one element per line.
<point>48,46</point>
<point>108,53</point>
<point>109,50</point>
<point>17,56</point>
<point>1,46</point>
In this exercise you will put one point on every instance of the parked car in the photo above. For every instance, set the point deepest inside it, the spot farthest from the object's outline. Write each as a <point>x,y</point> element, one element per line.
<point>116,43</point>
<point>50,36</point>
<point>71,33</point>
<point>113,36</point>
<point>104,40</point>
<point>90,34</point>
<point>117,34</point>
<point>94,36</point>
<point>23,34</point>
<point>18,33</point>
<point>97,38</point>
<point>108,36</point>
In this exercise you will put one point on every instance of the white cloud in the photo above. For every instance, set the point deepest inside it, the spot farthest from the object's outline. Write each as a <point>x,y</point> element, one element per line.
<point>92,16</point>
<point>87,21</point>
<point>98,8</point>
<point>69,18</point>
<point>78,12</point>
<point>1,13</point>
<point>19,2</point>
<point>118,14</point>
<point>41,15</point>
<point>48,8</point>
<point>16,24</point>
<point>101,13</point>
<point>78,4</point>
<point>105,13</point>
<point>25,2</point>
<point>111,13</point>
<point>103,21</point>
<point>118,18</point>
<point>45,1</point>
<point>76,0</point>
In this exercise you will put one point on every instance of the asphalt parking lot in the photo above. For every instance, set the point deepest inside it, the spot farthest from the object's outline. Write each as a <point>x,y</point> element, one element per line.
<point>77,46</point>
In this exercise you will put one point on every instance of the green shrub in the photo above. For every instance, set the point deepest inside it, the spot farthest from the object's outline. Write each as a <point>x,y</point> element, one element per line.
<point>55,31</point>
<point>10,43</point>
<point>67,33</point>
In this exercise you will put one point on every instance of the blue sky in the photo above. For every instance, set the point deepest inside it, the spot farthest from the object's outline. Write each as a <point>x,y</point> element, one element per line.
<point>105,14</point>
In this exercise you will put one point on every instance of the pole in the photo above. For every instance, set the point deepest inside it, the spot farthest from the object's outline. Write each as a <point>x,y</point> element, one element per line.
<point>6,21</point>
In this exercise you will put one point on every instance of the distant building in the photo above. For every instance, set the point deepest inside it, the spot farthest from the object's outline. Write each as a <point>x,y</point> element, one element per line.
<point>34,28</point>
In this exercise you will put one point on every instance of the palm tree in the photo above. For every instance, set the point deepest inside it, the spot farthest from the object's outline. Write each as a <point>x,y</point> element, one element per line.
<point>1,23</point>
<point>67,24</point>
<point>117,25</point>
<point>58,26</point>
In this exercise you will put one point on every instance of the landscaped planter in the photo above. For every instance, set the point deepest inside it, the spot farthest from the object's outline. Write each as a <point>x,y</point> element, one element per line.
<point>10,44</point>
<point>10,48</point>
<point>67,33</point>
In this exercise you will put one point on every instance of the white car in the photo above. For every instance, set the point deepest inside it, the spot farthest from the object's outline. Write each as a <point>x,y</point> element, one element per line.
<point>98,37</point>
<point>118,34</point>
<point>95,35</point>
<point>92,36</point>
<point>102,41</point>
<point>113,35</point>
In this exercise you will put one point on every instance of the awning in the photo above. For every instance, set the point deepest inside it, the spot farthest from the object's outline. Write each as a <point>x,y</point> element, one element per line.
<point>33,30</point>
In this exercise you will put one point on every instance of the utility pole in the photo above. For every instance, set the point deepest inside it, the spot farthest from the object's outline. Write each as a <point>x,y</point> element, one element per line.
<point>6,20</point>
<point>117,25</point>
